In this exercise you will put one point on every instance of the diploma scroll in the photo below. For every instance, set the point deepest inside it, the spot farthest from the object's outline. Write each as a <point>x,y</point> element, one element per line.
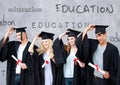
<point>45,62</point>
<point>78,61</point>
<point>96,68</point>
<point>18,62</point>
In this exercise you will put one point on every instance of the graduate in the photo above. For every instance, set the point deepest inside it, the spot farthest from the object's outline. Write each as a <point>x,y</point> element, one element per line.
<point>103,55</point>
<point>19,66</point>
<point>69,72</point>
<point>45,69</point>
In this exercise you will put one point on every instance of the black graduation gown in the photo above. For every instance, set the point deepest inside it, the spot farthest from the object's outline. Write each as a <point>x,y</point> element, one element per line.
<point>39,71</point>
<point>118,77</point>
<point>10,48</point>
<point>60,58</point>
<point>110,62</point>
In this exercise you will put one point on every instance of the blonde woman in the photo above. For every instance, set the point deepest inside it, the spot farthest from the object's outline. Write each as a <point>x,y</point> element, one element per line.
<point>44,59</point>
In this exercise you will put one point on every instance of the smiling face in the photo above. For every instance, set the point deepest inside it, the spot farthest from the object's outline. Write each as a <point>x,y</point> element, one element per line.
<point>101,37</point>
<point>71,41</point>
<point>45,43</point>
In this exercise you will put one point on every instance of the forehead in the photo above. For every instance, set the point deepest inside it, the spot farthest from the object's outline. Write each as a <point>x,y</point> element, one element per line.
<point>100,34</point>
<point>71,38</point>
<point>19,33</point>
<point>44,40</point>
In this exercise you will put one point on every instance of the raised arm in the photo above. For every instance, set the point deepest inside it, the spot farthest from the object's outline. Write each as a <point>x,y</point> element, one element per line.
<point>62,35</point>
<point>7,34</point>
<point>89,28</point>
<point>31,48</point>
<point>4,44</point>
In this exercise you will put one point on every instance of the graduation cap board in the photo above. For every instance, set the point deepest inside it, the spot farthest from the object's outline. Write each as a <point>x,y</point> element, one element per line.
<point>100,28</point>
<point>46,35</point>
<point>20,29</point>
<point>72,33</point>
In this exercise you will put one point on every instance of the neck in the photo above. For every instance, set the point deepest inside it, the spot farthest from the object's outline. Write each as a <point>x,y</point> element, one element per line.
<point>47,50</point>
<point>73,49</point>
<point>103,44</point>
<point>73,46</point>
<point>24,42</point>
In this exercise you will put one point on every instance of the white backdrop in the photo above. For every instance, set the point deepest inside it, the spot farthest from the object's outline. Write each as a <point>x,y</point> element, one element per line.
<point>58,15</point>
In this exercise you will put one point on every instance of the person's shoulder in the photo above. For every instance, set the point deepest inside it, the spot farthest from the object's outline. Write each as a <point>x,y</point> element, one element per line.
<point>13,42</point>
<point>35,46</point>
<point>93,41</point>
<point>112,46</point>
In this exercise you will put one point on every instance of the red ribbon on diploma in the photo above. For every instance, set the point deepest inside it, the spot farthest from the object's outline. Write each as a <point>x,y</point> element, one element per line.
<point>19,61</point>
<point>75,59</point>
<point>97,68</point>
<point>47,62</point>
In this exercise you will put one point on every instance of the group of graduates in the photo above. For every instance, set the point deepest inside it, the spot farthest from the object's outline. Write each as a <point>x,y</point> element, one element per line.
<point>54,63</point>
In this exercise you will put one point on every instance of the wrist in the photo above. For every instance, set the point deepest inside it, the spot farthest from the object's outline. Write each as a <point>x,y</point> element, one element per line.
<point>34,41</point>
<point>6,35</point>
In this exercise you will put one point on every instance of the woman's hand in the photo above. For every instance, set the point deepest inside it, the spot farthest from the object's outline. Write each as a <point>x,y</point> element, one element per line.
<point>36,37</point>
<point>63,34</point>
<point>31,47</point>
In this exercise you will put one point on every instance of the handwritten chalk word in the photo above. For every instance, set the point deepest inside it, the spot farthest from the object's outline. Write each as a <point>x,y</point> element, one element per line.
<point>84,9</point>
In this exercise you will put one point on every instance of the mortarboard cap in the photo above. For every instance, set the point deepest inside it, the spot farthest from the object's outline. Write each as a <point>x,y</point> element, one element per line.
<point>72,33</point>
<point>100,28</point>
<point>20,29</point>
<point>46,35</point>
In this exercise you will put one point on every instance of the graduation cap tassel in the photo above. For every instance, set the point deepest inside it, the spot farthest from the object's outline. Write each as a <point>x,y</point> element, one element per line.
<point>21,36</point>
<point>20,29</point>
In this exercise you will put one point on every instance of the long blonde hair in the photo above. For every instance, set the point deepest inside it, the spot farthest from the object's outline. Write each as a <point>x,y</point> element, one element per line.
<point>41,48</point>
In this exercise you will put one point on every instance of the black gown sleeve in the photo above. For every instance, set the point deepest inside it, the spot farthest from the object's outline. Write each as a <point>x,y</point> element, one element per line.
<point>83,51</point>
<point>1,44</point>
<point>0,47</point>
<point>118,73</point>
<point>31,60</point>
<point>113,71</point>
<point>83,47</point>
<point>59,52</point>
<point>35,66</point>
<point>4,50</point>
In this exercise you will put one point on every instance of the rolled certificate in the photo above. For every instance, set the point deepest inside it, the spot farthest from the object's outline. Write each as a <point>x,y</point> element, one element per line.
<point>45,63</point>
<point>14,58</point>
<point>17,60</point>
<point>78,61</point>
<point>96,68</point>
